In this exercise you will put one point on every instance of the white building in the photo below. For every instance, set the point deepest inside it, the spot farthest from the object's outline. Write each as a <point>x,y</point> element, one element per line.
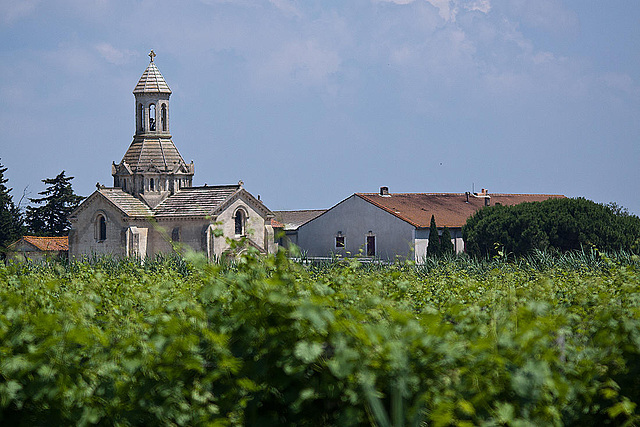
<point>390,226</point>
<point>153,206</point>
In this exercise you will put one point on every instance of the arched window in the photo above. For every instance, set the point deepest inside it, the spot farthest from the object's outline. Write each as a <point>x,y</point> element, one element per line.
<point>239,222</point>
<point>141,118</point>
<point>152,117</point>
<point>163,117</point>
<point>151,184</point>
<point>101,228</point>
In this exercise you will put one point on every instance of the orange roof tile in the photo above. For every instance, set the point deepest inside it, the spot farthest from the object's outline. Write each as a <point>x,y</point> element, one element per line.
<point>48,243</point>
<point>449,209</point>
<point>276,224</point>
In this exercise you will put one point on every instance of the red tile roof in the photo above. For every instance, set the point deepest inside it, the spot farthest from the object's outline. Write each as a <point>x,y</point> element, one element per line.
<point>276,224</point>
<point>48,243</point>
<point>449,209</point>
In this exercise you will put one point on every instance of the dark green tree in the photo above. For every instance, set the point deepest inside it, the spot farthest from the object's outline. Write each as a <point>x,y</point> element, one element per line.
<point>433,247</point>
<point>51,217</point>
<point>11,227</point>
<point>446,245</point>
<point>556,224</point>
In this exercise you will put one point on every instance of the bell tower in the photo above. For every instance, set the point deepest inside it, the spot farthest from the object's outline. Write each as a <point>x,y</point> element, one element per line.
<point>152,168</point>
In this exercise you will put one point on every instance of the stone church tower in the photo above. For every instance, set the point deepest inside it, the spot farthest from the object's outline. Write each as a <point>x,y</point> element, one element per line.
<point>153,206</point>
<point>152,168</point>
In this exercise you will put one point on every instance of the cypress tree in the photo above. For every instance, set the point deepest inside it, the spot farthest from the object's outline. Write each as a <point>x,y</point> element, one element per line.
<point>50,219</point>
<point>433,248</point>
<point>11,227</point>
<point>446,245</point>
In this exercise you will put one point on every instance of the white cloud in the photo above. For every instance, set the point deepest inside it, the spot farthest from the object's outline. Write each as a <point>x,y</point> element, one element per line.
<point>446,8</point>
<point>287,7</point>
<point>12,10</point>
<point>449,9</point>
<point>483,6</point>
<point>113,55</point>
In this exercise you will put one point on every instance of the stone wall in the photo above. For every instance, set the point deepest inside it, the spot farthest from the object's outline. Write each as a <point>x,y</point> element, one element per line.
<point>83,238</point>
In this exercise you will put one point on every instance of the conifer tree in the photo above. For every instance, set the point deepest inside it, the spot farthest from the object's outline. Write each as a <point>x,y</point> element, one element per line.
<point>433,248</point>
<point>446,245</point>
<point>11,227</point>
<point>50,219</point>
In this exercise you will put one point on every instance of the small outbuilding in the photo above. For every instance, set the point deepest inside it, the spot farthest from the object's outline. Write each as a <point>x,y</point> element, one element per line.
<point>36,248</point>
<point>288,222</point>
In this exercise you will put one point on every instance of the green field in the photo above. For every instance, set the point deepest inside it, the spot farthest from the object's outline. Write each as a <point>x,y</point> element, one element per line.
<point>543,340</point>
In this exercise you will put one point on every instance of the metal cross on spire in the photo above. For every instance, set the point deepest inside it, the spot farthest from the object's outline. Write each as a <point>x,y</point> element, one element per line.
<point>152,55</point>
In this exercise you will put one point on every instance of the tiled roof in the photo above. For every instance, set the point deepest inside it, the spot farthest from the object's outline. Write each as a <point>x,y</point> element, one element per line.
<point>160,153</point>
<point>152,81</point>
<point>47,243</point>
<point>195,201</point>
<point>276,224</point>
<point>126,202</point>
<point>294,219</point>
<point>449,209</point>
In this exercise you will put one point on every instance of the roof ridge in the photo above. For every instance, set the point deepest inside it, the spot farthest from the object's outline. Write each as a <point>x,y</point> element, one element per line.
<point>202,187</point>
<point>405,194</point>
<point>462,194</point>
<point>300,210</point>
<point>164,158</point>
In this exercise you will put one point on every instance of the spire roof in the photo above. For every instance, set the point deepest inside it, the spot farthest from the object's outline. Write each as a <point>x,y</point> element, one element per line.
<point>153,153</point>
<point>152,80</point>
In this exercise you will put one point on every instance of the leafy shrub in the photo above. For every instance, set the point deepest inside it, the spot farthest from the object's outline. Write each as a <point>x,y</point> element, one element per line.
<point>555,224</point>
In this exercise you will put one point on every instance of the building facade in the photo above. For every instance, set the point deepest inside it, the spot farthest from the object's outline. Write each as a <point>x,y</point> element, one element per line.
<point>389,226</point>
<point>153,207</point>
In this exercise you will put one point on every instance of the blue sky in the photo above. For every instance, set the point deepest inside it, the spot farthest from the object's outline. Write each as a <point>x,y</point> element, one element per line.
<point>310,101</point>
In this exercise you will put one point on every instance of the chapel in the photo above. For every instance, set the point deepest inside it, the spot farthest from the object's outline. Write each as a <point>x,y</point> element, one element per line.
<point>153,207</point>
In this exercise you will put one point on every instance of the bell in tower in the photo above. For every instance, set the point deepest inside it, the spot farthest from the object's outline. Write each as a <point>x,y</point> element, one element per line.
<point>152,168</point>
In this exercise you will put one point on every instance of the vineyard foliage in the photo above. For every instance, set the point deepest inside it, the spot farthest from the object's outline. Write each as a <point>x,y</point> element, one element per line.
<point>265,341</point>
